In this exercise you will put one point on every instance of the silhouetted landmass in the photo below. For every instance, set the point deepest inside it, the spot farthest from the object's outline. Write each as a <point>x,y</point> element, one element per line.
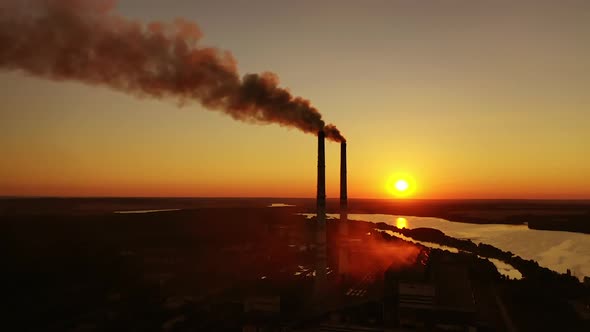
<point>73,265</point>
<point>562,215</point>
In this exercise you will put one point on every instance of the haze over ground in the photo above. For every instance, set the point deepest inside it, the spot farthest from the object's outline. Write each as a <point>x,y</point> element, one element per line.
<point>473,99</point>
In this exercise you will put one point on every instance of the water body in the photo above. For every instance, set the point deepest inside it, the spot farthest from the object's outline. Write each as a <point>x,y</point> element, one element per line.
<point>280,205</point>
<point>502,267</point>
<point>556,250</point>
<point>144,211</point>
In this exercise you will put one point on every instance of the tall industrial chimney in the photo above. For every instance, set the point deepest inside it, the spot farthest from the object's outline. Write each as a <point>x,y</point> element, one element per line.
<point>321,213</point>
<point>343,250</point>
<point>343,191</point>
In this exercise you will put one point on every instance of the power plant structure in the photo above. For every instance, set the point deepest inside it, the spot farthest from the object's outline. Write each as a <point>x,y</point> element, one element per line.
<point>343,192</point>
<point>343,241</point>
<point>321,251</point>
<point>321,248</point>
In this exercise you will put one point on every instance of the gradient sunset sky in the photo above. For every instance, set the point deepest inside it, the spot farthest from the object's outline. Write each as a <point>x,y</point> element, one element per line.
<point>473,99</point>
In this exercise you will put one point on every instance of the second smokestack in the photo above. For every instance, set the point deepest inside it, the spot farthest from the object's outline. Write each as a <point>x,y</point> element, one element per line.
<point>343,251</point>
<point>343,184</point>
<point>343,191</point>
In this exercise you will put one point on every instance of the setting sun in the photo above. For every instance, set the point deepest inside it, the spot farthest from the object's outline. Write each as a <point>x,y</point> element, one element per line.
<point>401,185</point>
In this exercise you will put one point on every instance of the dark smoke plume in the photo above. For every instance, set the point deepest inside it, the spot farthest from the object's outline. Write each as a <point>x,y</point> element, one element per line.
<point>87,41</point>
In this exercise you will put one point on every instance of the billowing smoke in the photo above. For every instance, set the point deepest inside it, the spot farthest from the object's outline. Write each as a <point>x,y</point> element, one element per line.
<point>87,41</point>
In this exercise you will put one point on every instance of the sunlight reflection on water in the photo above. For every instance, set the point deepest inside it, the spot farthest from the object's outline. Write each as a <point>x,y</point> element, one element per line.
<point>401,222</point>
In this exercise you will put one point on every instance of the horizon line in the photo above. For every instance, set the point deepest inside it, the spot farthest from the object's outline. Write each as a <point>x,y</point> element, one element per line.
<point>263,197</point>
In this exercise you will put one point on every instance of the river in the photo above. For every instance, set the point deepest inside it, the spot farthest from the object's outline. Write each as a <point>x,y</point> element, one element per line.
<point>556,250</point>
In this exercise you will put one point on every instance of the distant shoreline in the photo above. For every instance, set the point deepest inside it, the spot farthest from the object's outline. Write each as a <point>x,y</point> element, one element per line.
<point>557,215</point>
<point>407,200</point>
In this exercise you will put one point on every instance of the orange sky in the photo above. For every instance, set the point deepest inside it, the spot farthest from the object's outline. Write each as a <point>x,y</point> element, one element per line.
<point>473,101</point>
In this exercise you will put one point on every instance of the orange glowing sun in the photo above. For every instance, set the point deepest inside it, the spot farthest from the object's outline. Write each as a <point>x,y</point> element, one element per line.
<point>401,185</point>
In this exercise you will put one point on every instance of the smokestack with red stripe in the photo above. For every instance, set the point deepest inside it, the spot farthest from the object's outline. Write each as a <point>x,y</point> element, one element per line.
<point>321,212</point>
